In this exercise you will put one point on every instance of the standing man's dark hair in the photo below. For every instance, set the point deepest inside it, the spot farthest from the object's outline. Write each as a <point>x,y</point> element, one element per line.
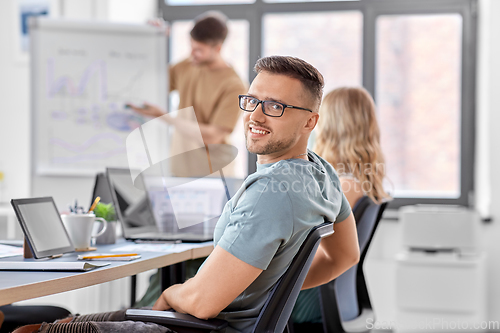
<point>210,28</point>
<point>296,68</point>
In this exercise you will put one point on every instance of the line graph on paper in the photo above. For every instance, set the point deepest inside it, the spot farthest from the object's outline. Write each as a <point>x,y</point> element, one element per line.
<point>89,121</point>
<point>83,82</point>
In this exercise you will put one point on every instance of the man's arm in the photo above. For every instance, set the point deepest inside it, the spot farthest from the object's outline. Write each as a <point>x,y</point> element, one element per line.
<point>221,279</point>
<point>211,134</point>
<point>335,254</point>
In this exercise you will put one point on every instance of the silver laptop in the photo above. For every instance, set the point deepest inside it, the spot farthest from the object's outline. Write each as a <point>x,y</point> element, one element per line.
<point>172,208</point>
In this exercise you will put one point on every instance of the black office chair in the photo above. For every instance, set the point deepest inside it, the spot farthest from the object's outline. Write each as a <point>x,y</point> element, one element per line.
<point>276,311</point>
<point>345,301</point>
<point>20,315</point>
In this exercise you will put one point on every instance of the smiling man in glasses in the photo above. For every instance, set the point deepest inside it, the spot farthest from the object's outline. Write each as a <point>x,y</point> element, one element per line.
<point>263,226</point>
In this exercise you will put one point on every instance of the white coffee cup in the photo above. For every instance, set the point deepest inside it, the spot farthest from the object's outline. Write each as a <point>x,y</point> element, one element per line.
<point>79,227</point>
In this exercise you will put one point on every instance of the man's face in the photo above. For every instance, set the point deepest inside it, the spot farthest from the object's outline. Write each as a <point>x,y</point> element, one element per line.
<point>276,135</point>
<point>202,53</point>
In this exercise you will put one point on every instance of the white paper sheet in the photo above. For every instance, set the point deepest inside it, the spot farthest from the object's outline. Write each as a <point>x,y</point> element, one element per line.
<point>10,251</point>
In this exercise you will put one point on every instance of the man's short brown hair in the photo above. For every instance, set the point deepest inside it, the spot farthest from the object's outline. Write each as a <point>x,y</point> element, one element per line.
<point>210,28</point>
<point>296,68</point>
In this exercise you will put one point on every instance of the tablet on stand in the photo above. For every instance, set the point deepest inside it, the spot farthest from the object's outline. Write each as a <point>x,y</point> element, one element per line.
<point>44,233</point>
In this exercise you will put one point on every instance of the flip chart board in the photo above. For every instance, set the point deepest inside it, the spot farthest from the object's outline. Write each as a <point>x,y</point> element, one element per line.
<point>83,74</point>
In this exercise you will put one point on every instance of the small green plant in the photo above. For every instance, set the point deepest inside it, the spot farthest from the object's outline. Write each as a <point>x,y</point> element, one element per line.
<point>106,211</point>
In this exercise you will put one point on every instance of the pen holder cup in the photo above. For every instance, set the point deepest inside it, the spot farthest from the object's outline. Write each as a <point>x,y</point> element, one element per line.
<point>109,236</point>
<point>79,228</point>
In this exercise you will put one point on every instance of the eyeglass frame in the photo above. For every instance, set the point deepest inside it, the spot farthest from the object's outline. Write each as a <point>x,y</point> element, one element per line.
<point>262,106</point>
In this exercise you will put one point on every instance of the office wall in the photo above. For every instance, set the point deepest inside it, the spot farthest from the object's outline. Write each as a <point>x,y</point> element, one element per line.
<point>14,97</point>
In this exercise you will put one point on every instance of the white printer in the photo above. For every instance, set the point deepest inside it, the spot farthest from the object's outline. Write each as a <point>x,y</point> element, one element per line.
<point>441,273</point>
<point>440,228</point>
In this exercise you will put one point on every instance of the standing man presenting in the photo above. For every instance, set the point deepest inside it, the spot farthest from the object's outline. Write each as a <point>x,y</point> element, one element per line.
<point>208,84</point>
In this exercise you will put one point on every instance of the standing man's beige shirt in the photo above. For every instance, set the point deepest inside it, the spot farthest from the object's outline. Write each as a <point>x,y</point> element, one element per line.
<point>213,93</point>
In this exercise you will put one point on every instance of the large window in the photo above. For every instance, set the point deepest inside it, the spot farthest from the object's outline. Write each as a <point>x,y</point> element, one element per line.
<point>418,70</point>
<point>337,54</point>
<point>416,57</point>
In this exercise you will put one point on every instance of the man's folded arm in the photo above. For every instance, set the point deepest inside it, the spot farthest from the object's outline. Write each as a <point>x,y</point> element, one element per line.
<point>335,255</point>
<point>221,279</point>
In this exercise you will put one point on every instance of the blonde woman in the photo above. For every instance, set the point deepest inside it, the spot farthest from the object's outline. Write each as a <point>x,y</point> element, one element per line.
<point>348,137</point>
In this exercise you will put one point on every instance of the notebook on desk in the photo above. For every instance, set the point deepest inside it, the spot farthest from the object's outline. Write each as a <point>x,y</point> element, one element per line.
<point>56,266</point>
<point>169,203</point>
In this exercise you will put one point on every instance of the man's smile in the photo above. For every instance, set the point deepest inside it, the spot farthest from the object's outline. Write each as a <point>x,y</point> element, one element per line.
<point>256,131</point>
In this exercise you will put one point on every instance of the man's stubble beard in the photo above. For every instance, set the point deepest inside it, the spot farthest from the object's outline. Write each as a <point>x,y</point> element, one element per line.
<point>271,147</point>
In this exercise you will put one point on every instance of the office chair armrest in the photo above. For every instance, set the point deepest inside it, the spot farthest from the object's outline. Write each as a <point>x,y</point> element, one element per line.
<point>175,319</point>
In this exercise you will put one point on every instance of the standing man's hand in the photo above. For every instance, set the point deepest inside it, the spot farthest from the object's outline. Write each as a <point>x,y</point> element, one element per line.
<point>148,110</point>
<point>160,23</point>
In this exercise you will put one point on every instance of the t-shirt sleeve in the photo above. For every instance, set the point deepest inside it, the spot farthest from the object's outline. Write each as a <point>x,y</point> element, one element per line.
<point>260,223</point>
<point>227,111</point>
<point>345,209</point>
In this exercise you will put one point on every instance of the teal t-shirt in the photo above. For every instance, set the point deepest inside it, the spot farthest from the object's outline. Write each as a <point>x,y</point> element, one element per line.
<point>267,220</point>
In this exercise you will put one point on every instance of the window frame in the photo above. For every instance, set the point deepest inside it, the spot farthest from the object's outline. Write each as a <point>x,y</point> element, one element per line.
<point>370,10</point>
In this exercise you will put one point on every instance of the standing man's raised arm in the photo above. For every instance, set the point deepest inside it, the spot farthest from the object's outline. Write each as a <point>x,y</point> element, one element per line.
<point>211,134</point>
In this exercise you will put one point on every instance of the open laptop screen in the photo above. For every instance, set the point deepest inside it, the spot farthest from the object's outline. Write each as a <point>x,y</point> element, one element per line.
<point>172,205</point>
<point>132,205</point>
<point>191,205</point>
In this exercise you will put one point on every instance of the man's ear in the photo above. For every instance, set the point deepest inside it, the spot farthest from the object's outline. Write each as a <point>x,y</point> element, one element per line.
<point>218,47</point>
<point>312,121</point>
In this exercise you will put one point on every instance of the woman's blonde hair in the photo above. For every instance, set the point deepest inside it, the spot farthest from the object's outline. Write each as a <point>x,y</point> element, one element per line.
<point>348,137</point>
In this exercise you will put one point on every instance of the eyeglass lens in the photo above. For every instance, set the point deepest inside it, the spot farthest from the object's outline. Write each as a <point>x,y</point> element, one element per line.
<point>270,108</point>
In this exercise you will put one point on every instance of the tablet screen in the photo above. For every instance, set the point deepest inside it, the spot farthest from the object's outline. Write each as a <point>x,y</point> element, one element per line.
<point>44,225</point>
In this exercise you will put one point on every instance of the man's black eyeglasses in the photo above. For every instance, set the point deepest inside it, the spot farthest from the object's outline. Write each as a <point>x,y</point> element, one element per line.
<point>270,108</point>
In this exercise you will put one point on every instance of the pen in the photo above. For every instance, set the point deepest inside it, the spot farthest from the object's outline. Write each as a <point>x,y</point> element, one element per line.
<point>94,204</point>
<point>110,256</point>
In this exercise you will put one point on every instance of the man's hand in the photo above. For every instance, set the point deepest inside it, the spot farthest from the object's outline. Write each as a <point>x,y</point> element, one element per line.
<point>148,110</point>
<point>160,23</point>
<point>161,303</point>
<point>211,134</point>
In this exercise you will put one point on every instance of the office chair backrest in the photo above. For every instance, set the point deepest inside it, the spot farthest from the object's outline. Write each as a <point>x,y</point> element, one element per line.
<point>366,214</point>
<point>276,311</point>
<point>345,298</point>
<point>366,239</point>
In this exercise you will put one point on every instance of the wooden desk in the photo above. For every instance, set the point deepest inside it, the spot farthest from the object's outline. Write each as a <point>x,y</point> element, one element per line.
<point>18,285</point>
